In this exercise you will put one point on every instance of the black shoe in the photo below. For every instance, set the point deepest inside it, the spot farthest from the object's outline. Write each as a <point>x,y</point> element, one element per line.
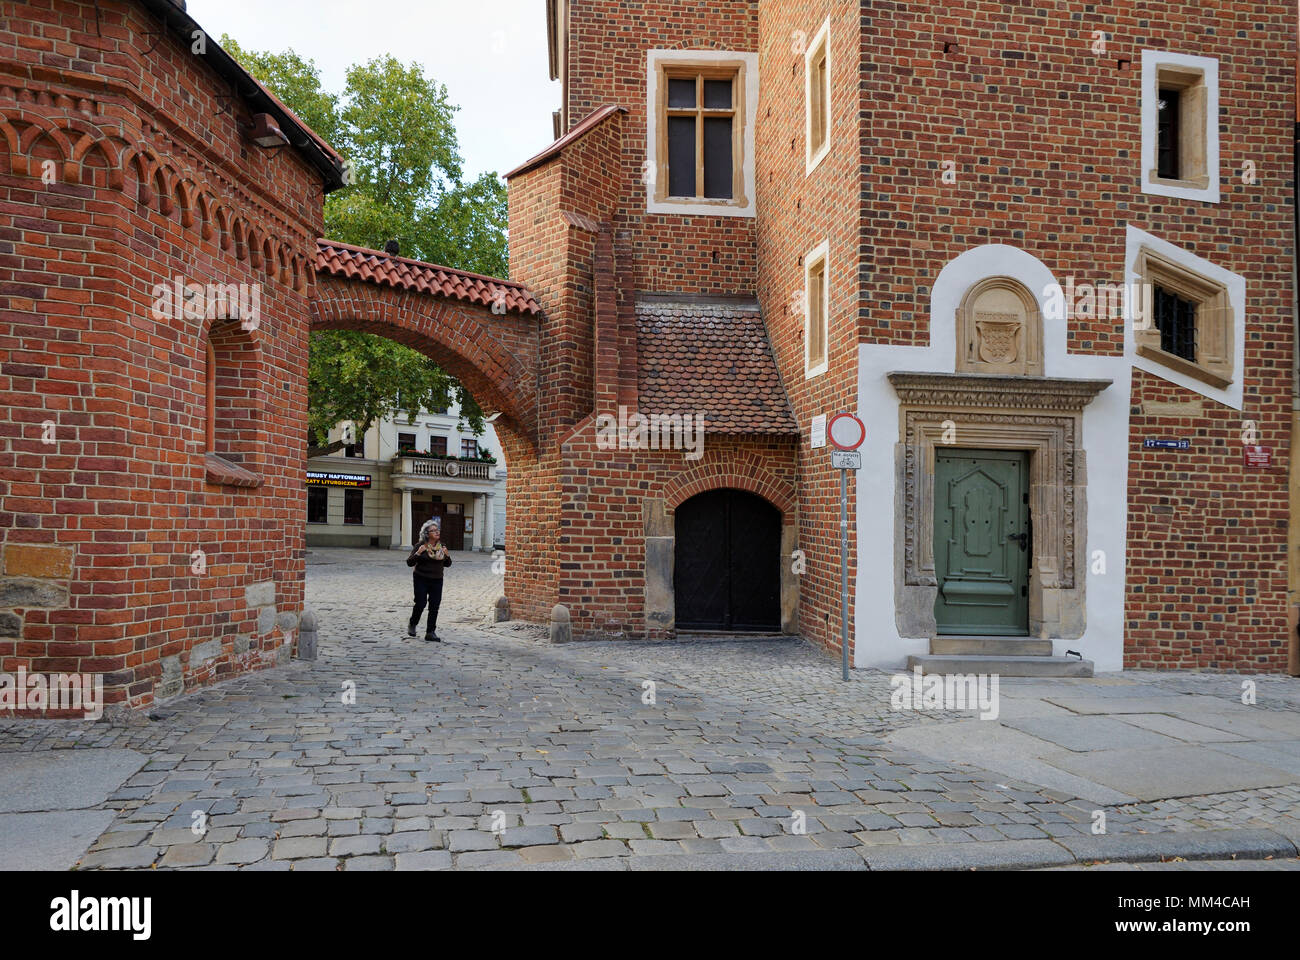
<point>432,638</point>
<point>410,629</point>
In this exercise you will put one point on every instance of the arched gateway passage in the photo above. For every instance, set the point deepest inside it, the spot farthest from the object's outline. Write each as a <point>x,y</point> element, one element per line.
<point>481,330</point>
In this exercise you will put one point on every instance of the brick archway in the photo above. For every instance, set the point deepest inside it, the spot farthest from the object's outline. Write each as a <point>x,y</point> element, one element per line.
<point>735,473</point>
<point>480,330</point>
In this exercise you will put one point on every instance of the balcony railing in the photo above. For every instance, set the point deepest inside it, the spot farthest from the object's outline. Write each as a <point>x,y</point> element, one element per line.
<point>449,469</point>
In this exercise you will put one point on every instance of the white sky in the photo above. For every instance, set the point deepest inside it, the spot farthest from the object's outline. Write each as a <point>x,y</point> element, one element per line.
<point>491,54</point>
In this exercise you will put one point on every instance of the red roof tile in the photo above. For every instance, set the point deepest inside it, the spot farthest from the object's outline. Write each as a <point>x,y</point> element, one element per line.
<point>375,266</point>
<point>713,359</point>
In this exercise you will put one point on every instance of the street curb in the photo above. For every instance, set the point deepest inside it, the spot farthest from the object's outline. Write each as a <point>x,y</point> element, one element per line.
<point>983,855</point>
<point>1249,844</point>
<point>803,861</point>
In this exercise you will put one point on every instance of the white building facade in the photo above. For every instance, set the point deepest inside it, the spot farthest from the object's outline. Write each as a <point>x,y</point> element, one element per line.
<point>407,469</point>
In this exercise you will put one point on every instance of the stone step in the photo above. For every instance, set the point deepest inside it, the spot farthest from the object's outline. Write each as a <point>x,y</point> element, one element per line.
<point>991,646</point>
<point>1003,666</point>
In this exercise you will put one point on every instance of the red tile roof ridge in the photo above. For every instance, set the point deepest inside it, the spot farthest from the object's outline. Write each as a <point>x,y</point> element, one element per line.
<point>375,266</point>
<point>424,264</point>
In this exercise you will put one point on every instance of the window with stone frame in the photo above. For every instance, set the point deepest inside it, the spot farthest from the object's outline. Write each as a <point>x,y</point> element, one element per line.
<point>1184,320</point>
<point>816,310</point>
<point>406,442</point>
<point>1180,125</point>
<point>817,98</point>
<point>700,118</point>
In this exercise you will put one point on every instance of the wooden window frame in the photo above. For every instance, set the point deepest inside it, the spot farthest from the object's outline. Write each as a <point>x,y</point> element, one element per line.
<point>817,100</point>
<point>816,259</point>
<point>1214,320</point>
<point>741,70</point>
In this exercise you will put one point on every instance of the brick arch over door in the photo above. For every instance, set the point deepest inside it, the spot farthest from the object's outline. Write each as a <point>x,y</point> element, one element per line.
<point>739,472</point>
<point>493,355</point>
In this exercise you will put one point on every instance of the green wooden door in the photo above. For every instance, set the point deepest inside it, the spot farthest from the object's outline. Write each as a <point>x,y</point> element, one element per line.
<point>981,542</point>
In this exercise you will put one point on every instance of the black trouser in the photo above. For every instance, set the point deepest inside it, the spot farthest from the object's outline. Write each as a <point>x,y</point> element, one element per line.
<point>427,591</point>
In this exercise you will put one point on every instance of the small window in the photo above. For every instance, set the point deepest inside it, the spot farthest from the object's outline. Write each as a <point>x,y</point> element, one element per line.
<point>700,135</point>
<point>405,442</point>
<point>318,505</point>
<point>438,445</point>
<point>817,90</point>
<point>352,506</point>
<point>455,508</point>
<point>1184,320</point>
<point>816,308</point>
<point>1175,318</point>
<point>469,448</point>
<point>700,124</point>
<point>1180,130</point>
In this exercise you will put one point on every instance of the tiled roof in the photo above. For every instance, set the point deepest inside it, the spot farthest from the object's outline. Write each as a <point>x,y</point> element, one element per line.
<point>713,359</point>
<point>375,266</point>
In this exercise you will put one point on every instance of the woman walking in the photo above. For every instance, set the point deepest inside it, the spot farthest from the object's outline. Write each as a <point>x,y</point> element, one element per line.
<point>428,558</point>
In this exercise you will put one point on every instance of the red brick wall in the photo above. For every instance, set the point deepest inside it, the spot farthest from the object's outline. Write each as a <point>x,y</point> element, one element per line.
<point>607,64</point>
<point>1045,137</point>
<point>153,181</point>
<point>797,211</point>
<point>602,535</point>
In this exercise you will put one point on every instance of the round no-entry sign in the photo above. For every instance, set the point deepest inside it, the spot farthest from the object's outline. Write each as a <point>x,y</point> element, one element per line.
<point>846,431</point>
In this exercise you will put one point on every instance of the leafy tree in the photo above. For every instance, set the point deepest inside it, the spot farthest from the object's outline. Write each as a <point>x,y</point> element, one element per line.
<point>397,128</point>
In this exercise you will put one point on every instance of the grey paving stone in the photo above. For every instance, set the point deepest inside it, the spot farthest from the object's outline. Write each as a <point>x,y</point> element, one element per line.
<point>461,840</point>
<point>424,860</point>
<point>243,851</point>
<point>299,848</point>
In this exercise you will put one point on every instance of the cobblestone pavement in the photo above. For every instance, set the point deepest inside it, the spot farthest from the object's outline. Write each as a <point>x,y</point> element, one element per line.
<point>496,750</point>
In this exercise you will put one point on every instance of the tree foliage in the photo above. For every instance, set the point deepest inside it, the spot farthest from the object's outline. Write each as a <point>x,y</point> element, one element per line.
<point>397,128</point>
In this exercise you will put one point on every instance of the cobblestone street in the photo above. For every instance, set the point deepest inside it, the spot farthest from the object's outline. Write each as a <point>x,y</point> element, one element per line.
<point>495,749</point>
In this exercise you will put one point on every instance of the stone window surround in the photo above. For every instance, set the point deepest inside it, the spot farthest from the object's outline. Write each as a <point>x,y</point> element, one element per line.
<point>1199,75</point>
<point>1215,320</point>
<point>818,254</point>
<point>819,42</point>
<point>1043,416</point>
<point>746,67</point>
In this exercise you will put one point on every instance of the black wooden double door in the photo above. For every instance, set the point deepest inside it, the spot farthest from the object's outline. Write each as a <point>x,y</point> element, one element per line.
<point>727,563</point>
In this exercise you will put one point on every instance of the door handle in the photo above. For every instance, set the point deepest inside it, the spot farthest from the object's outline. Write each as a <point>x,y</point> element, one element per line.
<point>1023,538</point>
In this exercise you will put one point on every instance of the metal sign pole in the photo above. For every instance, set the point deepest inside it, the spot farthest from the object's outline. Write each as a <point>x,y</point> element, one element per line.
<point>844,571</point>
<point>847,433</point>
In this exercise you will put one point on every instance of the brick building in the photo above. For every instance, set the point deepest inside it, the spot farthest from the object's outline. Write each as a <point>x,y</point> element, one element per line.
<point>1013,239</point>
<point>160,268</point>
<point>1044,252</point>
